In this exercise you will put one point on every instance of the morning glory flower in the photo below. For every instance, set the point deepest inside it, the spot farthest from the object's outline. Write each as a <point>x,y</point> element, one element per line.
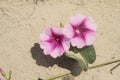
<point>1,79</point>
<point>81,30</point>
<point>54,42</point>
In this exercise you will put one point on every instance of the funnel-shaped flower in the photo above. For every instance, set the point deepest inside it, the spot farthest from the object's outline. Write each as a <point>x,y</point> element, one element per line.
<point>54,42</point>
<point>81,30</point>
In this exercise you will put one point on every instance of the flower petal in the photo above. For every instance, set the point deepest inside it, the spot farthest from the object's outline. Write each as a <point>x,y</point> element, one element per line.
<point>46,35</point>
<point>90,37</point>
<point>1,70</point>
<point>57,30</point>
<point>75,21</point>
<point>66,44</point>
<point>78,42</point>
<point>69,31</point>
<point>57,52</point>
<point>1,79</point>
<point>90,24</point>
<point>47,47</point>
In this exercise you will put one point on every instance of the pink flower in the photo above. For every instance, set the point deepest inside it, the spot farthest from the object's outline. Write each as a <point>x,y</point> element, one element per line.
<point>1,70</point>
<point>81,30</point>
<point>54,42</point>
<point>1,79</point>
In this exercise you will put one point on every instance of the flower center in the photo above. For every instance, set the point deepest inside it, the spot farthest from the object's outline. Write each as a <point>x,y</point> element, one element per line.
<point>77,31</point>
<point>58,39</point>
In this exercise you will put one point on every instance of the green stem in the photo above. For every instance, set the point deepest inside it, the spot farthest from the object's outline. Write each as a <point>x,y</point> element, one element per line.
<point>10,73</point>
<point>57,76</point>
<point>95,66</point>
<point>99,65</point>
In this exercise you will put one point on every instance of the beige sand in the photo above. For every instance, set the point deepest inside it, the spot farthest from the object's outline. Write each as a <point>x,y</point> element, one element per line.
<point>21,22</point>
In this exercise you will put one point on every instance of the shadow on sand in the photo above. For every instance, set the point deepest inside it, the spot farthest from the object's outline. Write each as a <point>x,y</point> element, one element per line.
<point>46,61</point>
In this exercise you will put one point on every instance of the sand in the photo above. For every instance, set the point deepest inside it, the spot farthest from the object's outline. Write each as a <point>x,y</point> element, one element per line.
<point>22,21</point>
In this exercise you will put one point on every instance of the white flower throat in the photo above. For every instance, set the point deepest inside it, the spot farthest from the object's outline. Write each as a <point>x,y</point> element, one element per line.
<point>77,31</point>
<point>57,39</point>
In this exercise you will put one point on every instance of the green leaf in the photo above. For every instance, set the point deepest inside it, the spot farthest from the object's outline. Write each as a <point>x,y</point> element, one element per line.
<point>88,53</point>
<point>83,65</point>
<point>80,62</point>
